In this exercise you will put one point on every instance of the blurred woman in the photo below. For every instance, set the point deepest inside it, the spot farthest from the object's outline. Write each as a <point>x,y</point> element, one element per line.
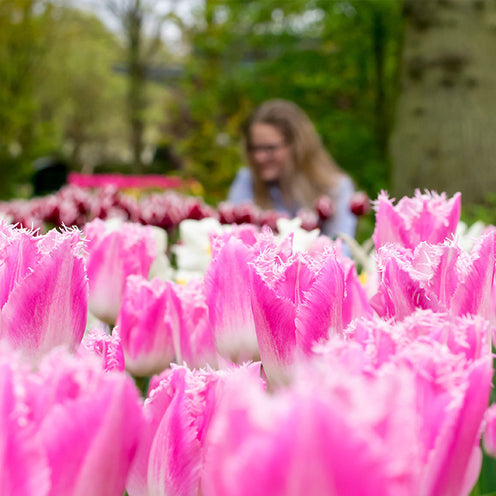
<point>290,169</point>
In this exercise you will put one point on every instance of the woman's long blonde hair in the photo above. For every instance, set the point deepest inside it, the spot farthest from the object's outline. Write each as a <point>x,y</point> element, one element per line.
<point>311,173</point>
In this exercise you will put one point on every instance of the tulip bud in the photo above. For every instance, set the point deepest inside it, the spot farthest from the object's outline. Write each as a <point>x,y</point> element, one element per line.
<point>324,208</point>
<point>360,204</point>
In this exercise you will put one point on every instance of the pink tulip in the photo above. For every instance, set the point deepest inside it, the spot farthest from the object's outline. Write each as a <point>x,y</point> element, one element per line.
<point>172,449</point>
<point>187,315</point>
<point>450,359</point>
<point>454,462</point>
<point>467,337</point>
<point>425,217</point>
<point>489,437</point>
<point>146,334</point>
<point>229,302</point>
<point>201,350</point>
<point>88,422</point>
<point>248,234</point>
<point>438,277</point>
<point>410,426</point>
<point>115,251</point>
<point>43,290</point>
<point>108,348</point>
<point>66,427</point>
<point>330,434</point>
<point>300,302</point>
<point>23,465</point>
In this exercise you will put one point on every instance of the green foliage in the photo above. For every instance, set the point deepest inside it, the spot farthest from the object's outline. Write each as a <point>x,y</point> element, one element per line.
<point>23,28</point>
<point>82,98</point>
<point>484,212</point>
<point>58,92</point>
<point>486,485</point>
<point>13,171</point>
<point>337,60</point>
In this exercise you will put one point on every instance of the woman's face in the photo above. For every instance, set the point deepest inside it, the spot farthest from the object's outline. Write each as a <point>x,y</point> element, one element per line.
<point>268,151</point>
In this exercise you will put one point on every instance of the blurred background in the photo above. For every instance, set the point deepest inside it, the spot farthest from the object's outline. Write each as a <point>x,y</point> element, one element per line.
<point>403,92</point>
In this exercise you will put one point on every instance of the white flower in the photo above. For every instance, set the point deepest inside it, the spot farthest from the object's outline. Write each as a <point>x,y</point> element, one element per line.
<point>161,267</point>
<point>193,253</point>
<point>467,235</point>
<point>302,239</point>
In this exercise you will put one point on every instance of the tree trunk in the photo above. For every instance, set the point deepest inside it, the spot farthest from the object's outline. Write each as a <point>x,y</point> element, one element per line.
<point>137,83</point>
<point>444,135</point>
<point>379,51</point>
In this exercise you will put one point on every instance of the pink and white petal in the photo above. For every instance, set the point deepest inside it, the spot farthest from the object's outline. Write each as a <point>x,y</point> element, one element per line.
<point>274,319</point>
<point>107,347</point>
<point>23,466</point>
<point>450,465</point>
<point>18,255</point>
<point>146,338</point>
<point>92,440</point>
<point>389,225</point>
<point>49,308</point>
<point>175,455</point>
<point>227,293</point>
<point>320,314</point>
<point>489,437</point>
<point>475,293</point>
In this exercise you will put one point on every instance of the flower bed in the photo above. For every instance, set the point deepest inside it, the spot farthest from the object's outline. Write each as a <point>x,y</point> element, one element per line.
<point>273,371</point>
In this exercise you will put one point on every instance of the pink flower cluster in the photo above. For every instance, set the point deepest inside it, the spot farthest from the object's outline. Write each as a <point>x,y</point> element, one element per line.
<point>275,373</point>
<point>122,181</point>
<point>75,205</point>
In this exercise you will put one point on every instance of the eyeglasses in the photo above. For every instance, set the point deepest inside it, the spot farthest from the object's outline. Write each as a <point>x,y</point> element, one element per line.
<point>268,149</point>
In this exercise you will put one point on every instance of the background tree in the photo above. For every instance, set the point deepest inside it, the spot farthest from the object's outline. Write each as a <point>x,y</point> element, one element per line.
<point>82,98</point>
<point>338,60</point>
<point>443,138</point>
<point>23,28</point>
<point>141,24</point>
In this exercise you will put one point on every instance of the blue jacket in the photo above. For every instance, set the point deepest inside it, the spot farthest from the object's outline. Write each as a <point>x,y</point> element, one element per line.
<point>343,221</point>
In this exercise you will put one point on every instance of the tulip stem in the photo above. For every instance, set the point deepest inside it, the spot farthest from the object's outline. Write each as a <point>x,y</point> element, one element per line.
<point>142,384</point>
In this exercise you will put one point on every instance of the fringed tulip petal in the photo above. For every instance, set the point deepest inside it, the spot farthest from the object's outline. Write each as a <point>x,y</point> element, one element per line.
<point>321,312</point>
<point>23,465</point>
<point>175,461</point>
<point>146,337</point>
<point>106,347</point>
<point>115,251</point>
<point>49,306</point>
<point>314,440</point>
<point>451,467</point>
<point>400,290</point>
<point>90,442</point>
<point>89,423</point>
<point>178,412</point>
<point>228,300</point>
<point>489,437</point>
<point>476,294</point>
<point>274,318</point>
<point>425,217</point>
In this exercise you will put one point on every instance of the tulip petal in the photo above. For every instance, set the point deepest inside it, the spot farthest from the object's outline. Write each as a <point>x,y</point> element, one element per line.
<point>274,318</point>
<point>91,441</point>
<point>175,461</point>
<point>450,462</point>
<point>146,338</point>
<point>320,313</point>
<point>229,303</point>
<point>23,467</point>
<point>49,308</point>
